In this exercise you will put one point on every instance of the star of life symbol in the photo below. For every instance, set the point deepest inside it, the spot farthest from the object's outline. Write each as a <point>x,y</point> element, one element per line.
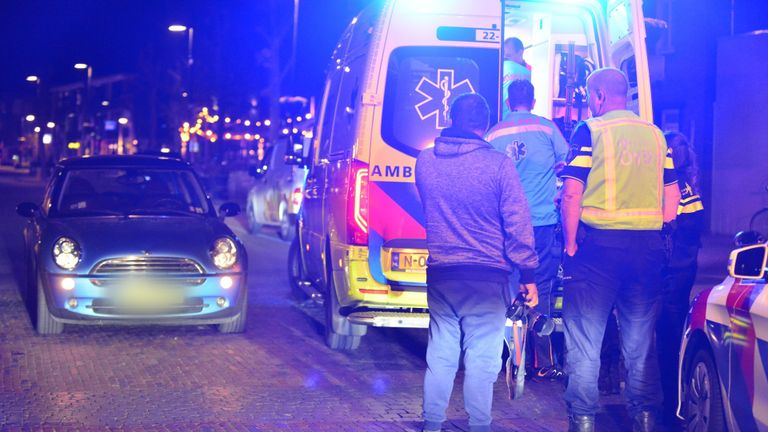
<point>437,96</point>
<point>516,150</point>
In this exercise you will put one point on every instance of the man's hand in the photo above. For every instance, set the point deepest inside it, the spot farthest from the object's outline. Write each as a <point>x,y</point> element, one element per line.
<point>570,250</point>
<point>531,294</point>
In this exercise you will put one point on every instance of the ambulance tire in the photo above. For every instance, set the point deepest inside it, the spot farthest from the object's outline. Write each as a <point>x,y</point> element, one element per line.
<point>296,270</point>
<point>702,398</point>
<point>340,334</point>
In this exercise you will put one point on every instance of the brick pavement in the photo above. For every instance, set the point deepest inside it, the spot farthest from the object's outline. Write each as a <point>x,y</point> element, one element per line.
<point>277,376</point>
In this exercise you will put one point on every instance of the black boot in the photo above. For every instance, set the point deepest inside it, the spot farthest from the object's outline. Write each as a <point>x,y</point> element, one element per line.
<point>644,421</point>
<point>581,423</point>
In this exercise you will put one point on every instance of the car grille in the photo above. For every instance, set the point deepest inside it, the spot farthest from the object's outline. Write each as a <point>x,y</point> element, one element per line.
<point>162,265</point>
<point>107,307</point>
<point>171,270</point>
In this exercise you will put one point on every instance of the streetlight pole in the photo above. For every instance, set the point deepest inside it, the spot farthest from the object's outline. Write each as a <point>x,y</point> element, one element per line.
<point>180,28</point>
<point>38,145</point>
<point>84,114</point>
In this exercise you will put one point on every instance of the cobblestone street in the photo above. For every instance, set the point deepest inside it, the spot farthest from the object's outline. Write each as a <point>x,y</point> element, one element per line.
<point>277,376</point>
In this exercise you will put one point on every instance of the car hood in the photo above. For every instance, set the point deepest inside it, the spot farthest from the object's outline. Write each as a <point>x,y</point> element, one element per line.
<point>111,237</point>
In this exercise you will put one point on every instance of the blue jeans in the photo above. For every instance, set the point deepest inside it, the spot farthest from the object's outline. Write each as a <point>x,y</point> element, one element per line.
<point>465,316</point>
<point>621,268</point>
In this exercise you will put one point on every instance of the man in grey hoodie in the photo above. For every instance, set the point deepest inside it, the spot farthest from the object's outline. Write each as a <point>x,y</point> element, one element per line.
<point>478,229</point>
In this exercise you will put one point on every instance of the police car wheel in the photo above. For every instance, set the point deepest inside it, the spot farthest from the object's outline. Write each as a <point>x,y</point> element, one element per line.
<point>253,226</point>
<point>702,397</point>
<point>286,230</point>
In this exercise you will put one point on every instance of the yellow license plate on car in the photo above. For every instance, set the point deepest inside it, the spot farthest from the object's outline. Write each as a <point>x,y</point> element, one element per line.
<point>148,296</point>
<point>409,262</point>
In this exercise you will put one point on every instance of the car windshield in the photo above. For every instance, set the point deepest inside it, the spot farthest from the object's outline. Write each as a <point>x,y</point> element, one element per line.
<point>130,191</point>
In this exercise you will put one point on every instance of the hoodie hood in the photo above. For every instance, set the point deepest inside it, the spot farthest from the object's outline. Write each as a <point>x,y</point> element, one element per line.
<point>454,142</point>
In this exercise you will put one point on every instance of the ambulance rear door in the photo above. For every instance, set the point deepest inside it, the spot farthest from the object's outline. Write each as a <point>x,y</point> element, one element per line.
<point>432,52</point>
<point>627,51</point>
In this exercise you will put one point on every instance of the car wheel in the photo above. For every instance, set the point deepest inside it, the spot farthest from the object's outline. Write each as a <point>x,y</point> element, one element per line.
<point>340,334</point>
<point>287,231</point>
<point>253,226</point>
<point>45,324</point>
<point>703,400</point>
<point>296,270</point>
<point>238,324</point>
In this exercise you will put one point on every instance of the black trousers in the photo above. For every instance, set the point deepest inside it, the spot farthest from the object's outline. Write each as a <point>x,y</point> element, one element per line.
<point>621,268</point>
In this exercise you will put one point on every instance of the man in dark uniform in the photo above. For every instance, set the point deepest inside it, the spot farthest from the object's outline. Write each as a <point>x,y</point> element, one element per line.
<point>619,189</point>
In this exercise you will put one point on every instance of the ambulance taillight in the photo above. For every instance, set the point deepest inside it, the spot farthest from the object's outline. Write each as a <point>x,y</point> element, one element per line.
<point>357,205</point>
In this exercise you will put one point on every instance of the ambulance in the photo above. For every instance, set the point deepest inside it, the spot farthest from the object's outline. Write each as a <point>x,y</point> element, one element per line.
<point>392,77</point>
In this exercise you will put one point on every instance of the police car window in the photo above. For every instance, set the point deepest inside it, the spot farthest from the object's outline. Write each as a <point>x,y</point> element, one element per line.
<point>421,84</point>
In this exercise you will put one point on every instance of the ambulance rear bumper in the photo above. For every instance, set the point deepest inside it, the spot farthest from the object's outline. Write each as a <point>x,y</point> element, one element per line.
<point>390,319</point>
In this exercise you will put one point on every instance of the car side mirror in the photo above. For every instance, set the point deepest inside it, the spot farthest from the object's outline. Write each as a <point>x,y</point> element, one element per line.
<point>748,262</point>
<point>297,153</point>
<point>229,209</point>
<point>27,209</point>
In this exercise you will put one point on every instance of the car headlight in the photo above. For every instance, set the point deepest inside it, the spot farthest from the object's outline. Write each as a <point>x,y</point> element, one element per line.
<point>66,253</point>
<point>224,253</point>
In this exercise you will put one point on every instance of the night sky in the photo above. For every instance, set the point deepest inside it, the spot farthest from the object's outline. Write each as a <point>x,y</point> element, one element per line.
<point>46,38</point>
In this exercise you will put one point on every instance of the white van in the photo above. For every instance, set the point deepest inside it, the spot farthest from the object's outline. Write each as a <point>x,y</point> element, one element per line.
<point>392,78</point>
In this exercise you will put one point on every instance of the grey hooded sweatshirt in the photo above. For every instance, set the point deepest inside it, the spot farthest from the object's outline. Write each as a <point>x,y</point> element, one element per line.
<point>477,217</point>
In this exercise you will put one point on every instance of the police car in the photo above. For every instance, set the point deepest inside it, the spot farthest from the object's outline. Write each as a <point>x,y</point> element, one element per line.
<point>724,350</point>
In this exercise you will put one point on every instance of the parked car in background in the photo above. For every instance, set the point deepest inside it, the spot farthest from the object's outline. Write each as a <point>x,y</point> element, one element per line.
<point>132,240</point>
<point>276,197</point>
<point>724,350</point>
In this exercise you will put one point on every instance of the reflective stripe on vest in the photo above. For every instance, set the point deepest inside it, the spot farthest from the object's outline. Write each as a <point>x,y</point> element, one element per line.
<point>625,185</point>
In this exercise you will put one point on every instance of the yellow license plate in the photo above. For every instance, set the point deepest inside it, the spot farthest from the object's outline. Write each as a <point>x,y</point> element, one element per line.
<point>409,262</point>
<point>148,296</point>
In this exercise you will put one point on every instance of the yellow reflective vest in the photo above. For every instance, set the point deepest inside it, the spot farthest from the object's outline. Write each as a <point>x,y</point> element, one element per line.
<point>625,186</point>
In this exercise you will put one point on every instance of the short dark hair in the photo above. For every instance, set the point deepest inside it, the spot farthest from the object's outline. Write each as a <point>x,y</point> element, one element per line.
<point>514,43</point>
<point>520,92</point>
<point>470,112</point>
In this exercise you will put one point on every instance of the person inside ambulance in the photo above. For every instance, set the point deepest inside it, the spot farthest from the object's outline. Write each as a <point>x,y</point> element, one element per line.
<point>515,68</point>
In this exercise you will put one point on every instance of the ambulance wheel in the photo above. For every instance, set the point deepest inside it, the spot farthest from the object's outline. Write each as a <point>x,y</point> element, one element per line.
<point>296,270</point>
<point>340,334</point>
<point>702,398</point>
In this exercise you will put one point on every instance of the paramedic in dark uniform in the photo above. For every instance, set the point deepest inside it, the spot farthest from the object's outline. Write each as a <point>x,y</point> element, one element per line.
<point>478,229</point>
<point>680,273</point>
<point>619,190</point>
<point>539,150</point>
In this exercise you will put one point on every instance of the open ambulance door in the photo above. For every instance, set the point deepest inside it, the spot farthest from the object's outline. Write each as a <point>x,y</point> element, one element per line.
<point>565,40</point>
<point>627,51</point>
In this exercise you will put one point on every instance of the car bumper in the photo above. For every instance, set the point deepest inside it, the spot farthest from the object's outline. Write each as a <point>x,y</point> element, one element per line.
<point>202,299</point>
